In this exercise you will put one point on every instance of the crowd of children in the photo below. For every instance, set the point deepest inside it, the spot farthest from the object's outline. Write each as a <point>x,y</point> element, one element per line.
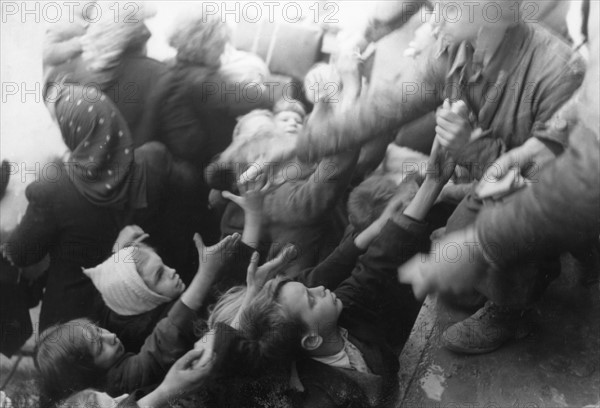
<point>314,213</point>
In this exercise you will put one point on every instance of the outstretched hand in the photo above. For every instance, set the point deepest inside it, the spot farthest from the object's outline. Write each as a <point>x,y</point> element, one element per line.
<point>256,276</point>
<point>129,236</point>
<point>513,170</point>
<point>211,259</point>
<point>253,190</point>
<point>188,373</point>
<point>436,273</point>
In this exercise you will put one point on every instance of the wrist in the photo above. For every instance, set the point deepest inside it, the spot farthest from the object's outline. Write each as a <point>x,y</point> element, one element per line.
<point>538,145</point>
<point>364,239</point>
<point>434,180</point>
<point>251,292</point>
<point>196,293</point>
<point>379,223</point>
<point>253,214</point>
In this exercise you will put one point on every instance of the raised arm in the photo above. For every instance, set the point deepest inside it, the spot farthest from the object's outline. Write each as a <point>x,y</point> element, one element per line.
<point>403,236</point>
<point>383,18</point>
<point>341,262</point>
<point>187,374</point>
<point>174,334</point>
<point>251,200</point>
<point>380,109</point>
<point>307,201</point>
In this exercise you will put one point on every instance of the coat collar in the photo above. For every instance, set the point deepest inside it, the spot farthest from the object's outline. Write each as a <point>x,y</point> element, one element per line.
<point>485,59</point>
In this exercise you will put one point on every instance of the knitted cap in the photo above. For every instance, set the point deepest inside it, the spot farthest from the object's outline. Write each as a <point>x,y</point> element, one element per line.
<point>122,288</point>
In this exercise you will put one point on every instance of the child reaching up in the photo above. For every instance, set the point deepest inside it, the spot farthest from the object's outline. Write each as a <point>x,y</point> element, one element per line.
<point>138,289</point>
<point>79,354</point>
<point>302,210</point>
<point>329,338</point>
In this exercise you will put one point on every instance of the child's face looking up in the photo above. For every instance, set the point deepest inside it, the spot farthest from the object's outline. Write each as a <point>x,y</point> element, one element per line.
<point>288,122</point>
<point>157,276</point>
<point>104,346</point>
<point>318,308</point>
<point>107,348</point>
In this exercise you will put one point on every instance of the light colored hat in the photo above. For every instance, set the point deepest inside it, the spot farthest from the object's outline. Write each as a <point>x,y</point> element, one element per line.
<point>122,288</point>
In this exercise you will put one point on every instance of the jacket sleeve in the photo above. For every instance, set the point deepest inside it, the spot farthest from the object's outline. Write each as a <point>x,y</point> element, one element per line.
<point>559,211</point>
<point>557,129</point>
<point>307,201</point>
<point>399,240</point>
<point>559,85</point>
<point>172,337</point>
<point>336,267</point>
<point>37,231</point>
<point>381,109</point>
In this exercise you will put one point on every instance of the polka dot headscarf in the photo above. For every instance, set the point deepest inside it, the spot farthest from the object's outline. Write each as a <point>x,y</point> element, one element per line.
<point>101,161</point>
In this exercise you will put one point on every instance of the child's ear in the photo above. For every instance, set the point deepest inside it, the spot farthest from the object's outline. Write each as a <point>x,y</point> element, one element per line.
<point>311,341</point>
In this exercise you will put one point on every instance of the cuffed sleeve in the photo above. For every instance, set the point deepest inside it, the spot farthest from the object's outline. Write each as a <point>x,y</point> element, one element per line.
<point>559,211</point>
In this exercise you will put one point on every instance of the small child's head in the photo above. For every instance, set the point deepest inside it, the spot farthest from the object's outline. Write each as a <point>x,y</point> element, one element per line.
<point>289,116</point>
<point>287,319</point>
<point>368,200</point>
<point>135,280</point>
<point>73,356</point>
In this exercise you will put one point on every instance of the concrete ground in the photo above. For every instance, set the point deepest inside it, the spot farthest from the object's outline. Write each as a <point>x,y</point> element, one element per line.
<point>557,365</point>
